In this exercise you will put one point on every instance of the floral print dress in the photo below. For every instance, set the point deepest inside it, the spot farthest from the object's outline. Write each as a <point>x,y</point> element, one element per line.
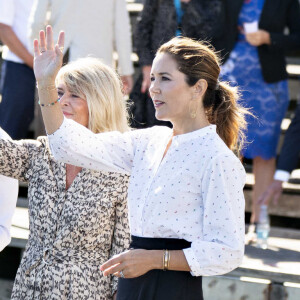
<point>72,232</point>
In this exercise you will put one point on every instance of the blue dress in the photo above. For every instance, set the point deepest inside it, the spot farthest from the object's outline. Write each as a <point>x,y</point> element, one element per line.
<point>267,101</point>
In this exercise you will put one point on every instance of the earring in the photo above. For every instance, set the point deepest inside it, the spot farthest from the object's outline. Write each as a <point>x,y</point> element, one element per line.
<point>193,109</point>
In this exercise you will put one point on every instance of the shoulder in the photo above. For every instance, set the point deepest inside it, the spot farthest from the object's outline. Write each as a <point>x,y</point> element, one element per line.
<point>221,154</point>
<point>151,133</point>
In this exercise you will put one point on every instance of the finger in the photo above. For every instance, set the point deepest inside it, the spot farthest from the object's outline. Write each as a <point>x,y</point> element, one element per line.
<point>59,54</point>
<point>49,38</point>
<point>36,50</point>
<point>113,261</point>
<point>114,270</point>
<point>42,41</point>
<point>61,40</point>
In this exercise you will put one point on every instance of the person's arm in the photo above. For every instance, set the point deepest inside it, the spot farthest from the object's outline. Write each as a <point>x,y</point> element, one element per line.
<point>16,156</point>
<point>221,248</point>
<point>10,39</point>
<point>281,40</point>
<point>121,235</point>
<point>292,39</point>
<point>70,142</point>
<point>8,199</point>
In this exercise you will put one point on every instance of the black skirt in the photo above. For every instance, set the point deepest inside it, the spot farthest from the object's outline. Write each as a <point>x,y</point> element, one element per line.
<point>159,284</point>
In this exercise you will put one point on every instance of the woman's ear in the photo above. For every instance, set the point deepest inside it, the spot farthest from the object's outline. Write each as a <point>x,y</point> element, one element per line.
<point>200,87</point>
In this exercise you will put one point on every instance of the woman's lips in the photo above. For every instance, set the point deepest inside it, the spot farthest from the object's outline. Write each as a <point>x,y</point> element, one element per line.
<point>158,103</point>
<point>67,114</point>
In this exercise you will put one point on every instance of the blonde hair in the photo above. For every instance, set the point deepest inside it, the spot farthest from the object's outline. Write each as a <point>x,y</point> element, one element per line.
<point>197,60</point>
<point>101,87</point>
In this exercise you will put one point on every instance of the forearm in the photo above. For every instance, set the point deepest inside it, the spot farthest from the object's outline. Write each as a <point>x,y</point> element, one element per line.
<point>52,115</point>
<point>177,261</point>
<point>9,38</point>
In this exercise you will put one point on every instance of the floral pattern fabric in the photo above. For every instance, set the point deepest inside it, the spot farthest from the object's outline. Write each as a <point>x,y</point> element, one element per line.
<point>72,232</point>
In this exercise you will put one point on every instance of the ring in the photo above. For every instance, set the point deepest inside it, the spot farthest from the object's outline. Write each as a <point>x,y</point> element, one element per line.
<point>42,51</point>
<point>61,49</point>
<point>122,274</point>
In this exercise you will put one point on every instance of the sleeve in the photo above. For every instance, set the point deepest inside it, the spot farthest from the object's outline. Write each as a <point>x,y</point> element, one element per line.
<point>8,199</point>
<point>123,42</point>
<point>7,12</point>
<point>16,156</point>
<point>143,34</point>
<point>292,40</point>
<point>289,154</point>
<point>74,144</point>
<point>121,235</point>
<point>37,20</point>
<point>221,247</point>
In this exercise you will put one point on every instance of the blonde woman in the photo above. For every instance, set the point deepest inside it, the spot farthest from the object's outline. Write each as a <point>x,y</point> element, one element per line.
<point>78,217</point>
<point>185,196</point>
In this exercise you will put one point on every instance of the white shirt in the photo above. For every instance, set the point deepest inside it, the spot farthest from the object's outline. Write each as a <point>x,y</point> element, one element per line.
<point>194,193</point>
<point>8,199</point>
<point>15,13</point>
<point>282,175</point>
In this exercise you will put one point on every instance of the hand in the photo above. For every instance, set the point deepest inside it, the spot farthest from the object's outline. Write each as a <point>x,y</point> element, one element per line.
<point>274,192</point>
<point>127,84</point>
<point>258,38</point>
<point>133,263</point>
<point>146,79</point>
<point>47,57</point>
<point>185,1</point>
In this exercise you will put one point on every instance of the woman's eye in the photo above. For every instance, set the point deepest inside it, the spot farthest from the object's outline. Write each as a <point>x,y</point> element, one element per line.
<point>152,78</point>
<point>75,96</point>
<point>165,78</point>
<point>60,94</point>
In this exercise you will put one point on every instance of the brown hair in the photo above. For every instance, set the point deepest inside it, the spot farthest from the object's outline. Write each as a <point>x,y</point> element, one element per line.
<point>197,60</point>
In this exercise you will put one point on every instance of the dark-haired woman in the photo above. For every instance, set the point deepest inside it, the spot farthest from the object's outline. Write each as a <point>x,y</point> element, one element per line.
<point>254,42</point>
<point>186,203</point>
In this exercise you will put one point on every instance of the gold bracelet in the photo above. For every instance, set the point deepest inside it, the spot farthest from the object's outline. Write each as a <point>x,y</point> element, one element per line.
<point>169,258</point>
<point>49,104</point>
<point>166,260</point>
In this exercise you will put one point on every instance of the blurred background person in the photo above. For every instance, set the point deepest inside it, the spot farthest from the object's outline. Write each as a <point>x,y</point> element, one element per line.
<point>8,200</point>
<point>108,20</point>
<point>159,22</point>
<point>77,216</point>
<point>287,161</point>
<point>17,84</point>
<point>253,44</point>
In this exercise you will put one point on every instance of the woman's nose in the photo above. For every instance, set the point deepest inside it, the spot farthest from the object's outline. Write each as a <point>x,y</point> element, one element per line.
<point>63,100</point>
<point>154,86</point>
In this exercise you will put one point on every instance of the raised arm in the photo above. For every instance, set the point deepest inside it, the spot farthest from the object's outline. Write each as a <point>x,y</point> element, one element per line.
<point>73,143</point>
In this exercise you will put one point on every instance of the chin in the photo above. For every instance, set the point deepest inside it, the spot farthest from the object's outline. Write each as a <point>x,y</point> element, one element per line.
<point>161,117</point>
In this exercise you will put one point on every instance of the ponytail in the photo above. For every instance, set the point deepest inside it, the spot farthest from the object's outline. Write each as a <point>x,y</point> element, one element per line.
<point>223,110</point>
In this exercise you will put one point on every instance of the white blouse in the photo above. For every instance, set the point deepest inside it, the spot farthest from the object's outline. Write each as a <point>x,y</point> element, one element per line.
<point>194,193</point>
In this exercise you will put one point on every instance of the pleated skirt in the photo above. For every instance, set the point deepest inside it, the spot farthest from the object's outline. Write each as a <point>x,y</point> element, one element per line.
<point>159,284</point>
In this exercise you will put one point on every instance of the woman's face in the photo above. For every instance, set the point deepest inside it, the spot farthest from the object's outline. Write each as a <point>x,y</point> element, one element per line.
<point>73,106</point>
<point>170,93</point>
